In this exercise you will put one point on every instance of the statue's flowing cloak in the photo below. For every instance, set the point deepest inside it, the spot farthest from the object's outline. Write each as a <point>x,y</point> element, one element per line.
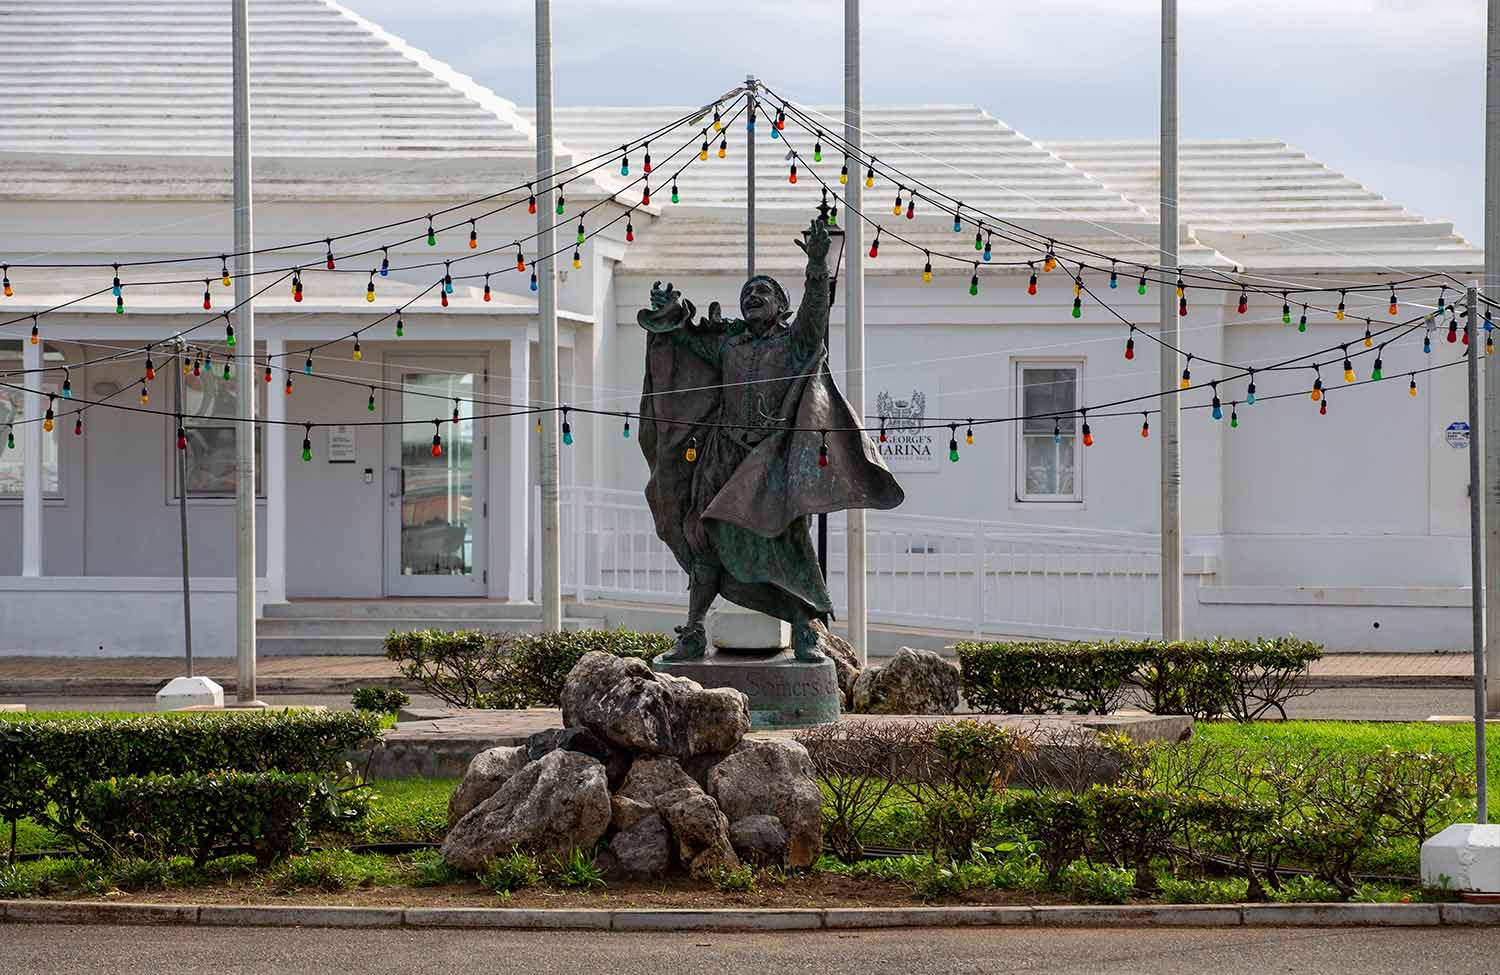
<point>752,501</point>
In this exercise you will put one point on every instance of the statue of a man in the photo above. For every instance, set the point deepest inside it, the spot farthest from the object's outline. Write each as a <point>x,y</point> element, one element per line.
<point>733,416</point>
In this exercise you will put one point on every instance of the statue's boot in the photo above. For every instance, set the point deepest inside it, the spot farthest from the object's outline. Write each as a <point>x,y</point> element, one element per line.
<point>692,643</point>
<point>805,643</point>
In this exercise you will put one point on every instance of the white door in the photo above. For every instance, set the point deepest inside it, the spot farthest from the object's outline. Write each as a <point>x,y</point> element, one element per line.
<point>435,499</point>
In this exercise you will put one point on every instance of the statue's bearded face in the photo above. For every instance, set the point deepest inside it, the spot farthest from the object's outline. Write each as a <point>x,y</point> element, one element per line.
<point>761,304</point>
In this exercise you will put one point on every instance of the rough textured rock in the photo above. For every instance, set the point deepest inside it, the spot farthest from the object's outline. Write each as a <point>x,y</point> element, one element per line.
<point>760,840</point>
<point>914,682</point>
<point>773,778</point>
<point>644,850</point>
<point>700,830</point>
<point>487,772</point>
<point>845,660</point>
<point>623,702</point>
<point>625,813</point>
<point>650,777</point>
<point>551,806</point>
<point>569,739</point>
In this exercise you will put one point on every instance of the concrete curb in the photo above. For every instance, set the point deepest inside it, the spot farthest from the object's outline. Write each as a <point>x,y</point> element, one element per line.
<point>751,919</point>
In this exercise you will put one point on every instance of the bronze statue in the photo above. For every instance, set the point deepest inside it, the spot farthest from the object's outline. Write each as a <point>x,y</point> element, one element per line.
<point>733,414</point>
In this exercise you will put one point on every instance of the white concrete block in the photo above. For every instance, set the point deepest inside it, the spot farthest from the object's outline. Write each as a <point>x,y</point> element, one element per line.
<point>1465,856</point>
<point>187,692</point>
<point>735,628</point>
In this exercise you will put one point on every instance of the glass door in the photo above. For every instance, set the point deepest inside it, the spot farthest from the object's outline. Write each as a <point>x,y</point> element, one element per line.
<point>435,510</point>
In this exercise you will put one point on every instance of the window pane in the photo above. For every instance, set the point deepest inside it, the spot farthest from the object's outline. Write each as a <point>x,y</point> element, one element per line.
<point>1048,390</point>
<point>1048,443</point>
<point>13,462</point>
<point>212,462</point>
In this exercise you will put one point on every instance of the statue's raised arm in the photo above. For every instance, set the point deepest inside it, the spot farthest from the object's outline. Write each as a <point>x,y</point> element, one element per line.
<point>810,327</point>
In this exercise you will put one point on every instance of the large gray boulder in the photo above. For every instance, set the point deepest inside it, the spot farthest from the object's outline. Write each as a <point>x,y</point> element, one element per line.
<point>760,840</point>
<point>487,772</point>
<point>914,682</point>
<point>625,813</point>
<point>622,701</point>
<point>651,776</point>
<point>773,778</point>
<point>642,851</point>
<point>551,807</point>
<point>700,830</point>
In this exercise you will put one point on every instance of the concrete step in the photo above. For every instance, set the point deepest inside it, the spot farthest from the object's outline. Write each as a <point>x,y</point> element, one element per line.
<point>437,609</point>
<point>279,626</point>
<point>299,645</point>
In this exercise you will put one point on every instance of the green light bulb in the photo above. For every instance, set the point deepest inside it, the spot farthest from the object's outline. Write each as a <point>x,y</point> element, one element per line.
<point>371,404</point>
<point>674,194</point>
<point>431,237</point>
<point>973,289</point>
<point>1375,373</point>
<point>307,453</point>
<point>953,455</point>
<point>1234,420</point>
<point>1140,289</point>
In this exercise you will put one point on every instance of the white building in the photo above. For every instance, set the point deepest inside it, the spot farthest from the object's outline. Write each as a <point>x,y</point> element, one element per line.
<point>1349,527</point>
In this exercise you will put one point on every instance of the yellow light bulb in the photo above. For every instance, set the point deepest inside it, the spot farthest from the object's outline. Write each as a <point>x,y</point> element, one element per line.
<point>1049,264</point>
<point>1339,314</point>
<point>869,182</point>
<point>370,295</point>
<point>1411,390</point>
<point>927,276</point>
<point>691,455</point>
<point>1317,394</point>
<point>703,154</point>
<point>358,355</point>
<point>1369,342</point>
<point>227,281</point>
<point>47,423</point>
<point>1077,291</point>
<point>1348,375</point>
<point>1186,383</point>
<point>723,153</point>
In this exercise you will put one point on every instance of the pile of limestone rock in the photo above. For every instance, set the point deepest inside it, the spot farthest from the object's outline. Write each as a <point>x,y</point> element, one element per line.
<point>656,766</point>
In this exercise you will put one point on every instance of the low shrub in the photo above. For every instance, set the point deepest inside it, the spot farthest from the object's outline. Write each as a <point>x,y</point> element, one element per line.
<point>1133,826</point>
<point>740,880</point>
<point>858,765</point>
<point>1059,822</point>
<point>47,766</point>
<point>429,869</point>
<point>53,876</point>
<point>159,816</point>
<point>1204,890</point>
<point>1097,883</point>
<point>466,668</point>
<point>958,772</point>
<point>330,870</point>
<point>578,870</point>
<point>508,874</point>
<point>379,700</point>
<point>1244,679</point>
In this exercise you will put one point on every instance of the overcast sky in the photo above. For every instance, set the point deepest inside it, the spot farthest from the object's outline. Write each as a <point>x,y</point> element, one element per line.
<point>1390,92</point>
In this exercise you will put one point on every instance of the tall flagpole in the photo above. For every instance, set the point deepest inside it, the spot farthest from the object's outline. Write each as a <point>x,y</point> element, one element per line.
<point>550,585</point>
<point>1491,290</point>
<point>246,390</point>
<point>1171,448</point>
<point>854,324</point>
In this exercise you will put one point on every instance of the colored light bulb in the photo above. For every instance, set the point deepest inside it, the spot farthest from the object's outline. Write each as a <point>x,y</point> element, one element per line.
<point>911,208</point>
<point>486,288</point>
<point>567,433</point>
<point>120,305</point>
<point>533,280</point>
<point>703,149</point>
<point>1077,307</point>
<point>724,148</point>
<point>1412,389</point>
<point>358,355</point>
<point>431,233</point>
<point>1088,435</point>
<point>675,197</point>
<point>1286,313</point>
<point>1114,279</point>
<point>1302,322</point>
<point>1394,309</point>
<point>896,208</point>
<point>1244,305</point>
<point>953,445</point>
<point>307,366</point>
<point>577,259</point>
<point>978,240</point>
<point>473,236</point>
<point>1339,313</point>
<point>626,431</point>
<point>400,327</point>
<point>646,163</point>
<point>1323,408</point>
<point>229,335</point>
<point>385,263</point>
<point>1182,307</point>
<point>307,448</point>
<point>144,398</point>
<point>437,445</point>
<point>561,204</point>
<point>875,246</point>
<point>181,438</point>
<point>1453,330</point>
<point>1057,431</point>
<point>927,271</point>
<point>67,388</point>
<point>958,224</point>
<point>791,176</point>
<point>844,175</point>
<point>1031,284</point>
<point>645,194</point>
<point>1145,428</point>
<point>1140,288</point>
<point>267,376</point>
<point>1130,347</point>
<point>531,204</point>
<point>974,283</point>
<point>582,234</point>
<point>224,272</point>
<point>208,299</point>
<point>624,163</point>
<point>629,234</point>
<point>370,289</point>
<point>1234,417</point>
<point>691,453</point>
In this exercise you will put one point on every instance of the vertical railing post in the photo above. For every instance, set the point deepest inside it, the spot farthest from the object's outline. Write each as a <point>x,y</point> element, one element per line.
<point>979,563</point>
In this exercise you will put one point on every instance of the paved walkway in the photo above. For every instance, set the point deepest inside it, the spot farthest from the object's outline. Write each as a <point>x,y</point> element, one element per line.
<point>332,674</point>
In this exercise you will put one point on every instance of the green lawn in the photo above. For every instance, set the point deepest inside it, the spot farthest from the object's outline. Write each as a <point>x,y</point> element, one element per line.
<point>1356,737</point>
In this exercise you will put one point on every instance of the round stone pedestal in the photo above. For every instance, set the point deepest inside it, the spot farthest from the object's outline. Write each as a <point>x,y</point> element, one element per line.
<point>784,692</point>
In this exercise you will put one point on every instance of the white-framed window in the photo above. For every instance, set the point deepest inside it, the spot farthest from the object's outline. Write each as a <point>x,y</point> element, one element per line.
<point>13,409</point>
<point>209,404</point>
<point>1049,456</point>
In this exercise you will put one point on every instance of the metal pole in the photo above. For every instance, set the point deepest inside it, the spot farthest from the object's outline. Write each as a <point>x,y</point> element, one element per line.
<point>750,87</point>
<point>1476,544</point>
<point>244,328</point>
<point>1491,288</point>
<point>550,584</point>
<point>854,323</point>
<point>182,519</point>
<point>1171,455</point>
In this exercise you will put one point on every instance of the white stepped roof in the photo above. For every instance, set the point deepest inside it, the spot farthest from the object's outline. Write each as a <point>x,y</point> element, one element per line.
<point>1263,202</point>
<point>141,77</point>
<point>957,148</point>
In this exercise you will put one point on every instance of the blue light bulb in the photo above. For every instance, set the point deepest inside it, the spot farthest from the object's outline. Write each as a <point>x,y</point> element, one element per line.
<point>1218,412</point>
<point>1249,399</point>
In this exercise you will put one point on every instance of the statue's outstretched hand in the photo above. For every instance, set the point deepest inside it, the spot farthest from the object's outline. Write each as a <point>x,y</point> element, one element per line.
<point>818,240</point>
<point>662,297</point>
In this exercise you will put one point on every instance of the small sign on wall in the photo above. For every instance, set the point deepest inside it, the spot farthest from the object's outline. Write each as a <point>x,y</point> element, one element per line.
<point>341,449</point>
<point>907,449</point>
<point>1457,434</point>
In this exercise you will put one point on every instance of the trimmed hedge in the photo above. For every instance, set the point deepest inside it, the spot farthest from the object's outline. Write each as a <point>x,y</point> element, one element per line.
<point>46,764</point>
<point>466,668</point>
<point>1243,679</point>
<point>202,815</point>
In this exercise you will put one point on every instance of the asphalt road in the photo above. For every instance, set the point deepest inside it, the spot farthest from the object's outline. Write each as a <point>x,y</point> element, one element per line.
<point>83,950</point>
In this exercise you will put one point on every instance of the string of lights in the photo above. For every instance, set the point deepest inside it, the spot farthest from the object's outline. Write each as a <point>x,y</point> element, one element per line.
<point>330,263</point>
<point>577,168</point>
<point>911,189</point>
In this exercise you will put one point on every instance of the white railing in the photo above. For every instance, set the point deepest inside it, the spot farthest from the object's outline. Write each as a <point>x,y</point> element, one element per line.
<point>981,577</point>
